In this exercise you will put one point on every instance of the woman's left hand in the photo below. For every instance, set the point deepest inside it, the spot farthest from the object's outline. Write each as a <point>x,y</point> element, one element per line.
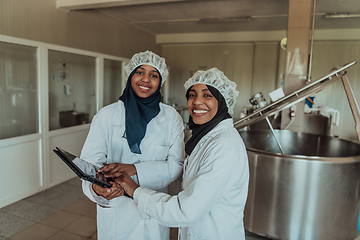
<point>114,170</point>
<point>127,183</point>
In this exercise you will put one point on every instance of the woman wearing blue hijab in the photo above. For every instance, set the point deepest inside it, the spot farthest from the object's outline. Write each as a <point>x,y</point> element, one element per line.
<point>139,136</point>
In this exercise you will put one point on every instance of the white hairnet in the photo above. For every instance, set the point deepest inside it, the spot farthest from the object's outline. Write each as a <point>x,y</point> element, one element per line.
<point>147,58</point>
<point>216,78</point>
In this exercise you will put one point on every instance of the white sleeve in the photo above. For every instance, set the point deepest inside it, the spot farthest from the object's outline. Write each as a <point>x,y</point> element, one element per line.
<point>217,174</point>
<point>91,194</point>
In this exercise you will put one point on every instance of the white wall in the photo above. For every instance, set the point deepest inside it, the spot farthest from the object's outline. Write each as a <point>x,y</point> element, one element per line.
<point>252,66</point>
<point>328,54</point>
<point>90,30</point>
<point>72,140</point>
<point>21,168</point>
<point>235,60</point>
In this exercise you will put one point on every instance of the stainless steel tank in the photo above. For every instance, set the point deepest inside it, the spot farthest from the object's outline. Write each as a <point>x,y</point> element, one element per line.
<point>310,192</point>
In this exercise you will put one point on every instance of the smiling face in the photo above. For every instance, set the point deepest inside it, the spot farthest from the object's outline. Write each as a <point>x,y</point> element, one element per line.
<point>202,105</point>
<point>145,81</point>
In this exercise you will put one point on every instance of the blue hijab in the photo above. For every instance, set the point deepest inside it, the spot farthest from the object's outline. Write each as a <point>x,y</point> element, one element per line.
<point>138,113</point>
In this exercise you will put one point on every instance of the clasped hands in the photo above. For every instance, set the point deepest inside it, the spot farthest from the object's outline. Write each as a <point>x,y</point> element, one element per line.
<point>118,175</point>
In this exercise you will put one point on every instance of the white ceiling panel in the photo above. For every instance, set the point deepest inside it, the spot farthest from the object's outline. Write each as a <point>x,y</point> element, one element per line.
<point>199,16</point>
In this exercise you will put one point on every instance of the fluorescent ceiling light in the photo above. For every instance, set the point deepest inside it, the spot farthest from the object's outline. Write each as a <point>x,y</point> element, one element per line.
<point>228,19</point>
<point>342,15</point>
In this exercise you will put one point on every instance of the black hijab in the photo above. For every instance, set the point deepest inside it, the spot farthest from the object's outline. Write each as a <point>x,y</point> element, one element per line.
<point>200,130</point>
<point>138,113</point>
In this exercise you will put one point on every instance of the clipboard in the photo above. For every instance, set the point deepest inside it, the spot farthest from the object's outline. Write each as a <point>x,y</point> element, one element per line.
<point>67,159</point>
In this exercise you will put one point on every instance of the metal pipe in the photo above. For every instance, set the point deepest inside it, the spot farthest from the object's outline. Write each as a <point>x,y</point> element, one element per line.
<point>353,103</point>
<point>272,130</point>
<point>311,43</point>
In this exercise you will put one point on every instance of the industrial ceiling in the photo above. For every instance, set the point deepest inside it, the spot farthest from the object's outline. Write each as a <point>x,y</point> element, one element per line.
<point>208,16</point>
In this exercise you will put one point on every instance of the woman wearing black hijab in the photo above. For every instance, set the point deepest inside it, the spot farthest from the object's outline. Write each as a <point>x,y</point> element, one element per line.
<point>138,136</point>
<point>216,173</point>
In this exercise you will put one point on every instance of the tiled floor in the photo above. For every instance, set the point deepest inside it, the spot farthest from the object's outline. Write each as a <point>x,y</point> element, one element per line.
<point>62,212</point>
<point>59,213</point>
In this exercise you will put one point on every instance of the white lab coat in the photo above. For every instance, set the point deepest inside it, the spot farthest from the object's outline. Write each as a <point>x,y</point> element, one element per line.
<point>159,164</point>
<point>215,186</point>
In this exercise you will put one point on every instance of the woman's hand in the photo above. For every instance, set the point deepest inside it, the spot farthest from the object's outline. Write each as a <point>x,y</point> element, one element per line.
<point>109,193</point>
<point>127,183</point>
<point>113,170</point>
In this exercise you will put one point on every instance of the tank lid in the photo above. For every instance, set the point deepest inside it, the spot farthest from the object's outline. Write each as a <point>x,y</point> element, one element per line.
<point>293,98</point>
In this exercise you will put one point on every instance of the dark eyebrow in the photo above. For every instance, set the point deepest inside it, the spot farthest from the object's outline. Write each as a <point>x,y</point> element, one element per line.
<point>150,70</point>
<point>201,90</point>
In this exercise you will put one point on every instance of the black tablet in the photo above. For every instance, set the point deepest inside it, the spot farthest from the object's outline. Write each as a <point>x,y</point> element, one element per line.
<point>67,159</point>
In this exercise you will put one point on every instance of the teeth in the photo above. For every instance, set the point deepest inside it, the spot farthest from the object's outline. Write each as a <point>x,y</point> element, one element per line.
<point>200,111</point>
<point>146,88</point>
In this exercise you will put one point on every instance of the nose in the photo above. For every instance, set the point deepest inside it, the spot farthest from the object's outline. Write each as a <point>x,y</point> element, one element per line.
<point>197,100</point>
<point>145,78</point>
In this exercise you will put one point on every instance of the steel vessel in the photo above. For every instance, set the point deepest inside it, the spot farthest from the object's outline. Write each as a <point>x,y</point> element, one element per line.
<point>309,191</point>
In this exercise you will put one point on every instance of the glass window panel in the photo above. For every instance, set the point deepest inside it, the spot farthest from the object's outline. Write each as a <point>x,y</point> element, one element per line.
<point>112,81</point>
<point>72,88</point>
<point>18,90</point>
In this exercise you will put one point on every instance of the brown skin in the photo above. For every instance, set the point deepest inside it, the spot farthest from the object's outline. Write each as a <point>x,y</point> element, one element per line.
<point>145,81</point>
<point>127,183</point>
<point>113,170</point>
<point>109,193</point>
<point>202,105</point>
